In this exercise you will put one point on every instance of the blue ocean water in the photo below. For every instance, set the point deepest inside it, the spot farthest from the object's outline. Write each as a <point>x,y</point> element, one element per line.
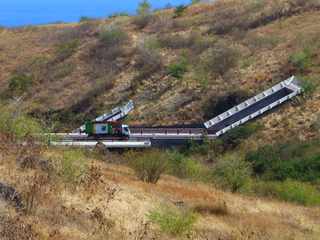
<point>15,13</point>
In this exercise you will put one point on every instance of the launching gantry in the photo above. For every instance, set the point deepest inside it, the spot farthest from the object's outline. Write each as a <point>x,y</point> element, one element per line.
<point>148,136</point>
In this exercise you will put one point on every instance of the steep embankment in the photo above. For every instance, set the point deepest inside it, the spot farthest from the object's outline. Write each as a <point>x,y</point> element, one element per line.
<point>111,203</point>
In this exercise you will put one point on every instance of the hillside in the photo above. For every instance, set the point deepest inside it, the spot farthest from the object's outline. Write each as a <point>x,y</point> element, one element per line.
<point>112,204</point>
<point>179,66</point>
<point>78,70</point>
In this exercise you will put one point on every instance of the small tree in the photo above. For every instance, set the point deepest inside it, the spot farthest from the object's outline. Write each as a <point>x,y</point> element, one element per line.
<point>178,69</point>
<point>185,167</point>
<point>219,59</point>
<point>65,50</point>
<point>112,36</point>
<point>301,60</point>
<point>232,172</point>
<point>20,83</point>
<point>179,10</point>
<point>149,166</point>
<point>144,8</point>
<point>144,15</point>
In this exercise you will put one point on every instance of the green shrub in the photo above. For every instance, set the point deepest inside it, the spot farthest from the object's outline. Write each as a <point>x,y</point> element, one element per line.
<point>218,59</point>
<point>24,126</point>
<point>293,160</point>
<point>308,85</point>
<point>179,10</point>
<point>184,167</point>
<point>65,50</point>
<point>141,21</point>
<point>149,166</point>
<point>104,55</point>
<point>257,42</point>
<point>73,166</point>
<point>69,34</point>
<point>177,70</point>
<point>86,19</point>
<point>289,190</point>
<point>211,148</point>
<point>173,221</point>
<point>192,41</point>
<point>62,70</point>
<point>20,83</point>
<point>151,43</point>
<point>236,135</point>
<point>301,60</point>
<point>112,36</point>
<point>148,59</point>
<point>18,125</point>
<point>232,172</point>
<point>119,14</point>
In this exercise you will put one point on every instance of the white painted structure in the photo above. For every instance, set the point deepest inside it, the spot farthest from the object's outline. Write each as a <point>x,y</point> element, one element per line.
<point>291,83</point>
<point>107,144</point>
<point>115,115</point>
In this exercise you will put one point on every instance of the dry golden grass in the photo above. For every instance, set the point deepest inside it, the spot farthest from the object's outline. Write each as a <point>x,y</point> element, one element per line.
<point>114,203</point>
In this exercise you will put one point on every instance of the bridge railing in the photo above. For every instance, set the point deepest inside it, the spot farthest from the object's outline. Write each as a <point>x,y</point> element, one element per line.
<point>256,114</point>
<point>290,83</point>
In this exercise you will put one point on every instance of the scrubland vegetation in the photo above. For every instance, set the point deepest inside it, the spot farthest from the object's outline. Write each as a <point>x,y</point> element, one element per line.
<point>176,222</point>
<point>180,65</point>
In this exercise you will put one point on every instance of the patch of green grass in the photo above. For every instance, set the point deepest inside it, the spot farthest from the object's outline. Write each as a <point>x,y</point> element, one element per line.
<point>301,60</point>
<point>173,221</point>
<point>290,191</point>
<point>73,166</point>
